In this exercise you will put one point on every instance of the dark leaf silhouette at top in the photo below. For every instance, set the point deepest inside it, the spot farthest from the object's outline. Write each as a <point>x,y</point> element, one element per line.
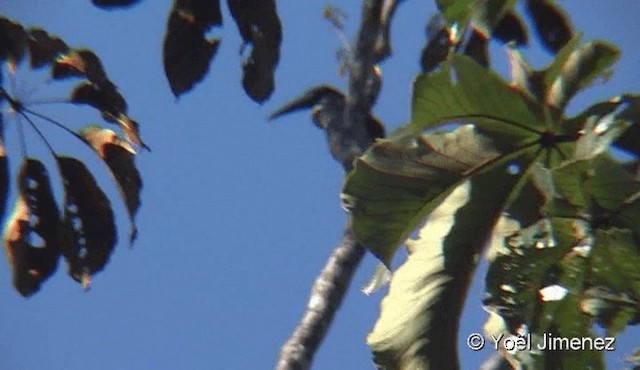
<point>259,25</point>
<point>89,221</point>
<point>552,25</point>
<point>118,155</point>
<point>35,212</point>
<point>13,41</point>
<point>109,4</point>
<point>187,52</point>
<point>511,29</point>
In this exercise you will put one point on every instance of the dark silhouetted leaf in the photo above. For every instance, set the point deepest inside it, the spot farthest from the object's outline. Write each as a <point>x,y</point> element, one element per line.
<point>187,52</point>
<point>107,101</point>
<point>80,63</point>
<point>478,48</point>
<point>510,29</point>
<point>13,41</point>
<point>438,44</point>
<point>88,219</point>
<point>35,211</point>
<point>44,48</point>
<point>109,4</point>
<point>119,156</point>
<point>551,24</point>
<point>259,26</point>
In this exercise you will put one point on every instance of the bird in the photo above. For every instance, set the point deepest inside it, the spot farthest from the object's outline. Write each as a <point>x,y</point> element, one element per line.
<point>327,106</point>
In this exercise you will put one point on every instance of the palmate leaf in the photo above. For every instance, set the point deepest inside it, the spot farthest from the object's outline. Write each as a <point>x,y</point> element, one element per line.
<point>521,156</point>
<point>85,234</point>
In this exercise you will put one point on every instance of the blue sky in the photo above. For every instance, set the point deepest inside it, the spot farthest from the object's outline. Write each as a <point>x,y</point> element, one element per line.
<point>238,214</point>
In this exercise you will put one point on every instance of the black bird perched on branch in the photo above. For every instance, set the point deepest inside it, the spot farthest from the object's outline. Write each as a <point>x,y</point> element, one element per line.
<point>327,108</point>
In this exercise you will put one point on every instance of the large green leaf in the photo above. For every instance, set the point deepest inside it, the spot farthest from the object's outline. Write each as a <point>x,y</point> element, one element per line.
<point>554,176</point>
<point>418,328</point>
<point>401,180</point>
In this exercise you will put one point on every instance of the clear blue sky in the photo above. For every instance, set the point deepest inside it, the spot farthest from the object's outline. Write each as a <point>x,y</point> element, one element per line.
<point>238,214</point>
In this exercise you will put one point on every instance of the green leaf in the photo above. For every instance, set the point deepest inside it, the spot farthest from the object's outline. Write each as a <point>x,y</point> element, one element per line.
<point>580,68</point>
<point>455,11</point>
<point>400,180</point>
<point>427,292</point>
<point>458,93</point>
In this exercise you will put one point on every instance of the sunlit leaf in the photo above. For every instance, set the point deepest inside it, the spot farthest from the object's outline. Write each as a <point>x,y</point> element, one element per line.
<point>187,53</point>
<point>89,221</point>
<point>119,157</point>
<point>581,67</point>
<point>32,234</point>
<point>418,326</point>
<point>259,26</point>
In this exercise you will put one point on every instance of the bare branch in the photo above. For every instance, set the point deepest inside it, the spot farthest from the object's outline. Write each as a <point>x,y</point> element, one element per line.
<point>326,296</point>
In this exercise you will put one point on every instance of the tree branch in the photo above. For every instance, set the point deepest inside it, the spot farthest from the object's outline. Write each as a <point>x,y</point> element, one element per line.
<point>326,296</point>
<point>329,289</point>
